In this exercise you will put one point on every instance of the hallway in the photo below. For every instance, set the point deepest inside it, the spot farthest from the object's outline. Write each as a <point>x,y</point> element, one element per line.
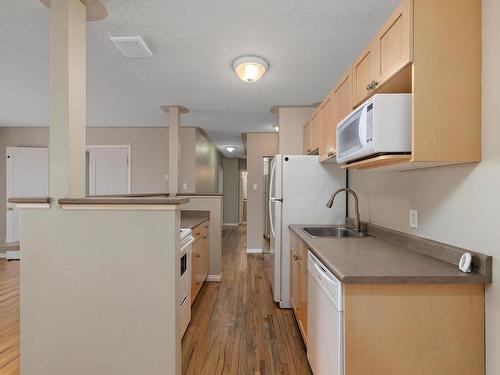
<point>236,328</point>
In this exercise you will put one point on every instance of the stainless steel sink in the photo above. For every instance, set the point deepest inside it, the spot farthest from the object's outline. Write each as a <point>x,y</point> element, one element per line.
<point>334,231</point>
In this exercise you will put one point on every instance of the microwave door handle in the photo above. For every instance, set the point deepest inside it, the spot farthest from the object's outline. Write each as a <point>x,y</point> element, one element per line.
<point>363,124</point>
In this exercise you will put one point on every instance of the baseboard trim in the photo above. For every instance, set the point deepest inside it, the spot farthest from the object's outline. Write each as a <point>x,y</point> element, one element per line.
<point>214,278</point>
<point>254,251</point>
<point>230,224</point>
<point>13,255</point>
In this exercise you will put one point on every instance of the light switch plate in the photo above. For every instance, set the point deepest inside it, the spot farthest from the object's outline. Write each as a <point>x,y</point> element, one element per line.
<point>255,186</point>
<point>184,186</point>
<point>413,218</point>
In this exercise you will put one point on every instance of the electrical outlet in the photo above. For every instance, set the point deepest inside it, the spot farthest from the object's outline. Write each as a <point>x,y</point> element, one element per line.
<point>255,186</point>
<point>165,177</point>
<point>413,218</point>
<point>184,186</point>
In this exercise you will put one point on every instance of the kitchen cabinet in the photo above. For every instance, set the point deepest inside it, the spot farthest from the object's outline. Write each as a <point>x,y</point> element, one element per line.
<point>363,73</point>
<point>298,282</point>
<point>199,258</point>
<point>307,138</point>
<point>416,51</point>
<point>392,46</point>
<point>327,132</point>
<point>315,132</point>
<point>312,135</point>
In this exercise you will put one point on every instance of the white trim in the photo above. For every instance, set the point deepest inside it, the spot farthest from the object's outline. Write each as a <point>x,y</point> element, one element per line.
<point>120,207</point>
<point>254,251</point>
<point>129,159</point>
<point>230,224</point>
<point>214,278</point>
<point>3,255</point>
<point>33,206</point>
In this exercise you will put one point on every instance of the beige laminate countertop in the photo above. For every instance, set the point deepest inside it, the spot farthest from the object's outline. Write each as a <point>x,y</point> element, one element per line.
<point>371,260</point>
<point>191,219</point>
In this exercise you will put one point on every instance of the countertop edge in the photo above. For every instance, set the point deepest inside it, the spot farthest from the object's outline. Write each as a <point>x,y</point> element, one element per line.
<point>123,201</point>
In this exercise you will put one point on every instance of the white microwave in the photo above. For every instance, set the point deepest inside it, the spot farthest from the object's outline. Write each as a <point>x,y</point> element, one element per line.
<point>379,126</point>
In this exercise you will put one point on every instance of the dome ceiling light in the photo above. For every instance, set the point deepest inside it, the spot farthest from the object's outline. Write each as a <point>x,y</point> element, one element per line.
<point>250,68</point>
<point>230,148</point>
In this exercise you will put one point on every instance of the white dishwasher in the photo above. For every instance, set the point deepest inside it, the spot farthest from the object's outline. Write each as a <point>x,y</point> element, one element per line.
<point>325,323</point>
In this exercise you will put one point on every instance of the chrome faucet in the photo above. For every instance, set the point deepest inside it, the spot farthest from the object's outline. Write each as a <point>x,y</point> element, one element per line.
<point>329,204</point>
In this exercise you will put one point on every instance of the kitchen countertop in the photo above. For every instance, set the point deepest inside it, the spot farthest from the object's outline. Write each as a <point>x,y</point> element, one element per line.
<point>191,219</point>
<point>373,260</point>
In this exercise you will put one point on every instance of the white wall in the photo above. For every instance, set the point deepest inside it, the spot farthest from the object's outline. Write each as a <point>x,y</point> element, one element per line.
<point>231,175</point>
<point>258,146</point>
<point>458,205</point>
<point>291,134</point>
<point>199,160</point>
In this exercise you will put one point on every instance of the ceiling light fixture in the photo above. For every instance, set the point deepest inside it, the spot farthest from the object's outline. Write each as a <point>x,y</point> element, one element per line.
<point>230,148</point>
<point>250,68</point>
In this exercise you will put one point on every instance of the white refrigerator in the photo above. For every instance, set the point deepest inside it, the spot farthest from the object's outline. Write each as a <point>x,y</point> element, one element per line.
<point>300,187</point>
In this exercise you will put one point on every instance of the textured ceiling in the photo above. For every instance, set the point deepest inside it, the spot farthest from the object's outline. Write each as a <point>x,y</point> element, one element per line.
<point>308,44</point>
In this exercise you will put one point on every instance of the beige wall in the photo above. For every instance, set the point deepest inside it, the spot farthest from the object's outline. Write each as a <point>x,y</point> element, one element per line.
<point>291,124</point>
<point>258,146</point>
<point>231,174</point>
<point>458,205</point>
<point>149,148</point>
<point>208,164</point>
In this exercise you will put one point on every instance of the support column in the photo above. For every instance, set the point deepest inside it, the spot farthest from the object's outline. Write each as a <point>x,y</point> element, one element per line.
<point>67,98</point>
<point>174,145</point>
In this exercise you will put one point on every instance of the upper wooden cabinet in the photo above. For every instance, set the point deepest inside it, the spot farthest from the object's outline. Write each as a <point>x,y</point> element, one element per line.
<point>420,50</point>
<point>363,73</point>
<point>312,135</point>
<point>327,129</point>
<point>389,52</point>
<point>392,47</point>
<point>307,138</point>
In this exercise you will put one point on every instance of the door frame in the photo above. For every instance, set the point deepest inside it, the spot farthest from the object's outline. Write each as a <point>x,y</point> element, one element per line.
<point>129,159</point>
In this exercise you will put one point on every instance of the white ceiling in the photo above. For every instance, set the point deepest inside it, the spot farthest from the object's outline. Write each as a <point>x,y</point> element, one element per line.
<point>308,44</point>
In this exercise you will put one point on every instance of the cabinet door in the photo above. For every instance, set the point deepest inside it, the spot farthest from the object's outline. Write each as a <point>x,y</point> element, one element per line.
<point>342,99</point>
<point>392,45</point>
<point>204,258</point>
<point>363,72</point>
<point>315,132</point>
<point>307,139</point>
<point>328,132</point>
<point>294,283</point>
<point>303,298</point>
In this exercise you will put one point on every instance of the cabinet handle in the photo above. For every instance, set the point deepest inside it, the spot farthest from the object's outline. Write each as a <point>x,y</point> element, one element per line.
<point>197,233</point>
<point>330,153</point>
<point>197,255</point>
<point>369,86</point>
<point>295,257</point>
<point>375,84</point>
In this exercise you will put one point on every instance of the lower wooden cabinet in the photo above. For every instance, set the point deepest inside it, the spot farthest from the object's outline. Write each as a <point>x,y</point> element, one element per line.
<point>298,282</point>
<point>199,259</point>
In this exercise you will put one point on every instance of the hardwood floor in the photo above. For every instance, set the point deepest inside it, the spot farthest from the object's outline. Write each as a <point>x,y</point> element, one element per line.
<point>236,328</point>
<point>9,317</point>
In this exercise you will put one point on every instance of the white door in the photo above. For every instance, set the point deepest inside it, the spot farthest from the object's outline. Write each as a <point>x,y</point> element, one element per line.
<point>27,175</point>
<point>108,170</point>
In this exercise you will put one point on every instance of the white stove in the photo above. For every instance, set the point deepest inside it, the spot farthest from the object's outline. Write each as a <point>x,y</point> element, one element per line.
<point>186,244</point>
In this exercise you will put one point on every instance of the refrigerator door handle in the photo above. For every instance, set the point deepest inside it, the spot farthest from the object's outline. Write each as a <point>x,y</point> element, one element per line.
<point>271,179</point>
<point>271,219</point>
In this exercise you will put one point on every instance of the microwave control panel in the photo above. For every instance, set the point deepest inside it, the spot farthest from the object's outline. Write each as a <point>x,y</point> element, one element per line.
<point>369,123</point>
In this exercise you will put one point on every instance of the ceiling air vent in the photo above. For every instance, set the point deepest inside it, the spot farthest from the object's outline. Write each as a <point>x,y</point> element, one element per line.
<point>131,46</point>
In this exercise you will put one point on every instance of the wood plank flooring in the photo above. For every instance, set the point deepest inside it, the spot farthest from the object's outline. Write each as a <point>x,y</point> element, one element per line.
<point>9,317</point>
<point>236,328</point>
